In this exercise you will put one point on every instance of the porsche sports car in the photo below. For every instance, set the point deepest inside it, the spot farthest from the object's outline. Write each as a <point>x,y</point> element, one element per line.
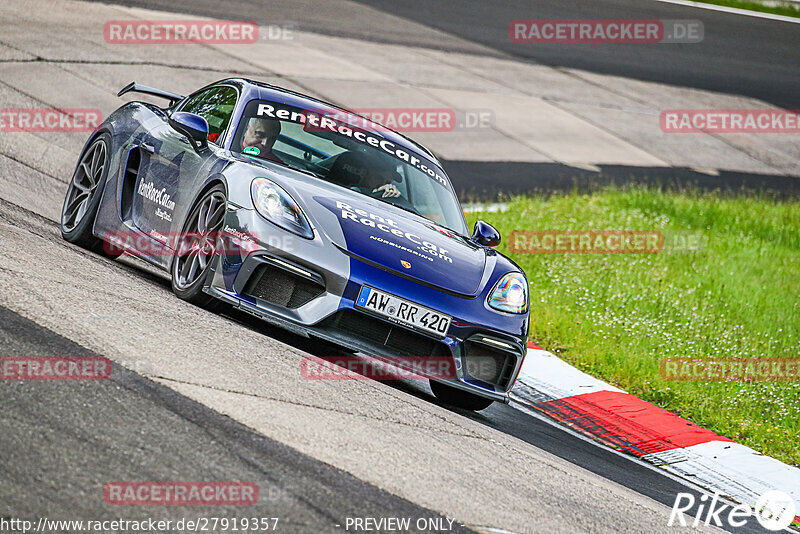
<point>345,230</point>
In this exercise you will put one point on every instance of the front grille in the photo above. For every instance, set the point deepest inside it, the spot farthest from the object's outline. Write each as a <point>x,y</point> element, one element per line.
<point>489,364</point>
<point>282,288</point>
<point>400,341</point>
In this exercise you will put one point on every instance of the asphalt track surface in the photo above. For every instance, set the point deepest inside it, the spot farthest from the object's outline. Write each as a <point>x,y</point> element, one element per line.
<point>469,179</point>
<point>61,441</point>
<point>738,55</point>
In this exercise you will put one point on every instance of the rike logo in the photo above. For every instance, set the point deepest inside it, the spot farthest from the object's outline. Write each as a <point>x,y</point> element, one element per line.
<point>775,510</point>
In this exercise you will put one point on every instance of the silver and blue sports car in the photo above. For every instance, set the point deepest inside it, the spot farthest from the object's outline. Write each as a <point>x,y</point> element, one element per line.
<point>344,230</point>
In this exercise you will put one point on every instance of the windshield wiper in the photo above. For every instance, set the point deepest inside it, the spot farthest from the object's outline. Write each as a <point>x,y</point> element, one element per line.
<point>415,212</point>
<point>410,210</point>
<point>296,168</point>
<point>284,164</point>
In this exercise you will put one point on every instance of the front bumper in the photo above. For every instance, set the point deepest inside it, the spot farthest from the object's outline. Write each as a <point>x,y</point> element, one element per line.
<point>310,288</point>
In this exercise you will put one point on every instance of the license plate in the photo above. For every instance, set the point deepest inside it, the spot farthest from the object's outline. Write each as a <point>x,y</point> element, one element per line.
<point>403,311</point>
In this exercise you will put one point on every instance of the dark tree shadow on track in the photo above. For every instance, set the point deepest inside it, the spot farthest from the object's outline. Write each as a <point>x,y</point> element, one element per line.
<point>491,181</point>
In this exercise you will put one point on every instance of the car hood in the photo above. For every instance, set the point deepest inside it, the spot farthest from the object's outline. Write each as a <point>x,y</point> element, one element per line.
<point>393,239</point>
<point>376,232</point>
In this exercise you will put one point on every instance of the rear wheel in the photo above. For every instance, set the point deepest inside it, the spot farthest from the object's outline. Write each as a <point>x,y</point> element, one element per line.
<point>197,248</point>
<point>83,196</point>
<point>459,398</point>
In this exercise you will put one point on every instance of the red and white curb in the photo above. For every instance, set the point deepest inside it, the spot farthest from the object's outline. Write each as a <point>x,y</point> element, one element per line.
<point>624,422</point>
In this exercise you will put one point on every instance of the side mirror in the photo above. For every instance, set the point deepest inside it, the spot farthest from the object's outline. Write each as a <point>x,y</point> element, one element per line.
<point>192,126</point>
<point>485,234</point>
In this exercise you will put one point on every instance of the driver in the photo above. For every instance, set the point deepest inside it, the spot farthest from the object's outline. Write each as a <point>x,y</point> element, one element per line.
<point>379,180</point>
<point>368,176</point>
<point>261,134</point>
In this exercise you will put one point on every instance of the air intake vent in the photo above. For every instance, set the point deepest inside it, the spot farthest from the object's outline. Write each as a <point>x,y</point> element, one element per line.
<point>398,340</point>
<point>129,182</point>
<point>489,364</point>
<point>282,288</point>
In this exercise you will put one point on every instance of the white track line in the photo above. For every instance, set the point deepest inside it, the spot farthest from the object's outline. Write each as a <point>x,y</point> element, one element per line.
<point>733,10</point>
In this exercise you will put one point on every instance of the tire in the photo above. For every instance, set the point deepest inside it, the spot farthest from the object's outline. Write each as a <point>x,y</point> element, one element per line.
<point>459,398</point>
<point>84,192</point>
<point>192,263</point>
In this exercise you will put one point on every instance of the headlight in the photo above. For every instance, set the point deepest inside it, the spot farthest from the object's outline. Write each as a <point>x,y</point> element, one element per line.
<point>275,205</point>
<point>510,294</point>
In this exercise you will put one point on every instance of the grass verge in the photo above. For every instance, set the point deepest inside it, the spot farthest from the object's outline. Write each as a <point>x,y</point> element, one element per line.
<point>787,9</point>
<point>616,316</point>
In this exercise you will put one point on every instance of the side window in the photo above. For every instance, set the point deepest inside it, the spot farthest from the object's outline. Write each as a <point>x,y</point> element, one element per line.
<point>215,105</point>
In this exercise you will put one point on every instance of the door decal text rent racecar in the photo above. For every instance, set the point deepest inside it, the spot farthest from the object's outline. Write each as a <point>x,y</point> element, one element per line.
<point>160,197</point>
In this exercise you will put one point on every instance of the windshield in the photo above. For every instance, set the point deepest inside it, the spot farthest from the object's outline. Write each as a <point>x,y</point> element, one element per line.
<point>348,151</point>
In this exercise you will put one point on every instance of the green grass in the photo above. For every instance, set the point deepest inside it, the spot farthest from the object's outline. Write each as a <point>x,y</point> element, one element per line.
<point>787,10</point>
<point>616,316</point>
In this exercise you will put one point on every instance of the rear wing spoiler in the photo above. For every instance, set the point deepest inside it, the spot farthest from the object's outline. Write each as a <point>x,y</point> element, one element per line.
<point>137,87</point>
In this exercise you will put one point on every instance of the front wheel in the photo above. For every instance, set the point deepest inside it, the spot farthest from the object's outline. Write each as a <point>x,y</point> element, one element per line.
<point>83,195</point>
<point>197,247</point>
<point>459,398</point>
